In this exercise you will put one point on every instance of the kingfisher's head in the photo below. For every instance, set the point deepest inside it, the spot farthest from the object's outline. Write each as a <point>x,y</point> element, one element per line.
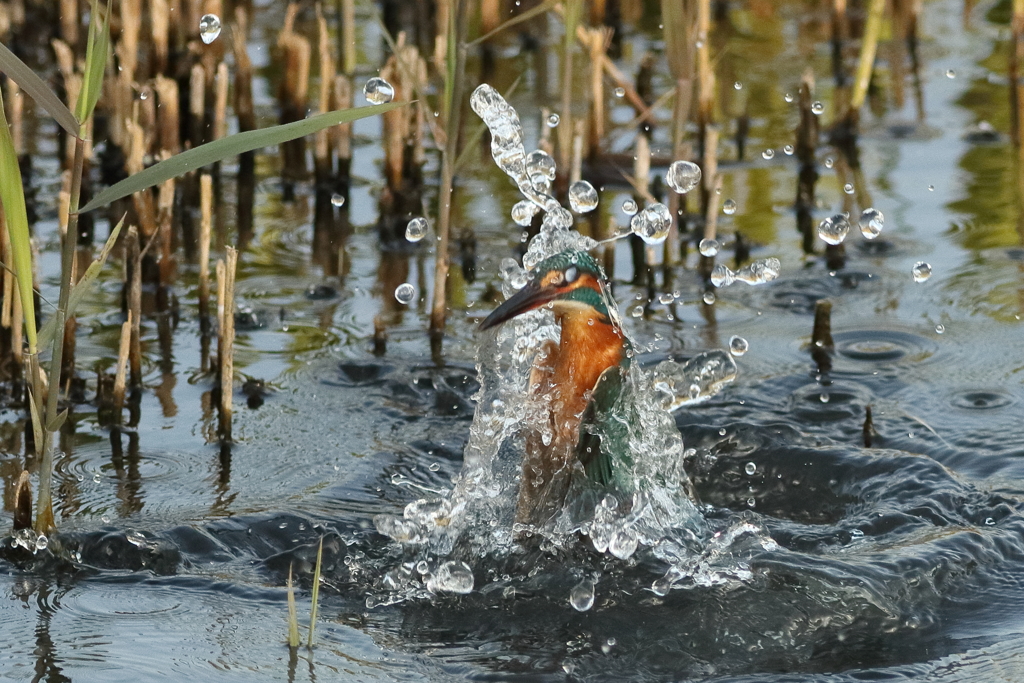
<point>571,281</point>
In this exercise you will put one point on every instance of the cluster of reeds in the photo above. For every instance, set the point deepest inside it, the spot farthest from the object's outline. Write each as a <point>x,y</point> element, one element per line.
<point>141,102</point>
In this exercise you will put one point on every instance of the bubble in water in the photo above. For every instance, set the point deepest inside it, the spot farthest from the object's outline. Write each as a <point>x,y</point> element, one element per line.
<point>750,469</point>
<point>709,247</point>
<point>788,97</point>
<point>848,188</point>
<point>451,577</point>
<point>652,224</point>
<point>523,212</point>
<point>788,150</point>
<point>540,165</point>
<point>209,28</point>
<point>620,92</point>
<point>729,207</point>
<point>921,271</point>
<point>378,91</point>
<point>817,108</point>
<point>738,345</point>
<point>553,120</point>
<point>338,199</point>
<point>834,229</point>
<point>582,196</point>
<point>629,207</point>
<point>581,597</point>
<point>768,154</point>
<point>950,73</point>
<point>708,298</point>
<point>404,293</point>
<point>683,176</point>
<point>871,223</point>
<point>416,229</point>
<point>940,328</point>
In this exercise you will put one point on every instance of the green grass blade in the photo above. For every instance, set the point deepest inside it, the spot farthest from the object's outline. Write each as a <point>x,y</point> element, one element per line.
<point>95,63</point>
<point>293,618</point>
<point>37,89</point>
<point>230,146</point>
<point>316,591</point>
<point>82,288</point>
<point>12,197</point>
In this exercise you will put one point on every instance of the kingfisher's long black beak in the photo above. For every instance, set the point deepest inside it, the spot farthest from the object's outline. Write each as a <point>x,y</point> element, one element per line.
<point>532,296</point>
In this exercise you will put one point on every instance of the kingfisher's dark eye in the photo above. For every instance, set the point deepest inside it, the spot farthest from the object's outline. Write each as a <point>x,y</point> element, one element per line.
<point>571,273</point>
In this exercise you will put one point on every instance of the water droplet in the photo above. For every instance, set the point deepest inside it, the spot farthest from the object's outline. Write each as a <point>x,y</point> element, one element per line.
<point>817,108</point>
<point>940,328</point>
<point>557,218</point>
<point>848,188</point>
<point>582,595</point>
<point>709,298</point>
<point>652,224</point>
<point>683,176</point>
<point>405,293</point>
<point>540,166</point>
<point>788,150</point>
<point>989,521</point>
<point>553,120</point>
<point>921,271</point>
<point>662,586</point>
<point>513,273</point>
<point>666,298</point>
<point>738,345</point>
<point>768,154</point>
<point>721,431</point>
<point>729,207</point>
<point>950,73</point>
<point>623,544</point>
<point>523,212</point>
<point>788,97</point>
<point>931,188</point>
<point>620,92</point>
<point>434,467</point>
<point>709,247</point>
<point>451,577</point>
<point>136,538</point>
<point>629,207</point>
<point>582,196</point>
<point>751,502</point>
<point>637,311</point>
<point>750,469</point>
<point>337,199</point>
<point>871,223</point>
<point>42,542</point>
<point>143,94</point>
<point>721,276</point>
<point>416,229</point>
<point>829,162</point>
<point>378,91</point>
<point>738,85</point>
<point>824,398</point>
<point>209,28</point>
<point>834,229</point>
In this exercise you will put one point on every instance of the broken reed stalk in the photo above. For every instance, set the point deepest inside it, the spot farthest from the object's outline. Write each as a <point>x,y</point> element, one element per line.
<point>678,25</point>
<point>243,74</point>
<point>868,431</point>
<point>822,345</point>
<point>643,257</point>
<point>316,591</point>
<point>220,102</point>
<point>123,351</point>
<point>806,148</point>
<point>348,37</point>
<point>454,84</point>
<point>1016,61</point>
<point>197,104</point>
<point>226,340</point>
<point>711,187</point>
<point>23,502</point>
<point>866,63</point>
<point>292,92</point>
<point>205,229</point>
<point>573,10</point>
<point>321,143</point>
<point>133,283</point>
<point>293,617</point>
<point>168,130</point>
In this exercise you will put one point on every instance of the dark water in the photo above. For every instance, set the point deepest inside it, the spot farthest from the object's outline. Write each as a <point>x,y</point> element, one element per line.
<point>903,561</point>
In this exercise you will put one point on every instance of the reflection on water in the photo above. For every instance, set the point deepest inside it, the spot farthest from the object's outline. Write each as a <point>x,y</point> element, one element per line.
<point>819,556</point>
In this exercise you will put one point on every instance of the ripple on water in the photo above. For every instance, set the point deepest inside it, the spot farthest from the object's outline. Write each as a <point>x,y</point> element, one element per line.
<point>866,352</point>
<point>981,399</point>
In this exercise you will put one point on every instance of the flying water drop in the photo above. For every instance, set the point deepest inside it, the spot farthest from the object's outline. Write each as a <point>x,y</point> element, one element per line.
<point>523,212</point>
<point>729,207</point>
<point>709,298</point>
<point>683,176</point>
<point>768,154</point>
<point>817,108</point>
<point>709,247</point>
<point>378,91</point>
<point>848,188</point>
<point>582,595</point>
<point>337,200</point>
<point>540,166</point>
<point>451,577</point>
<point>871,223</point>
<point>405,293</point>
<point>750,469</point>
<point>921,271</point>
<point>209,28</point>
<point>620,92</point>
<point>652,224</point>
<point>629,207</point>
<point>553,120</point>
<point>834,229</point>
<point>738,345</point>
<point>788,150</point>
<point>416,229</point>
<point>582,197</point>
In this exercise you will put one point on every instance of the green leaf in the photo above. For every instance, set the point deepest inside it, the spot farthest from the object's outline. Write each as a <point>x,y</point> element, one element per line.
<point>58,421</point>
<point>37,424</point>
<point>12,198</point>
<point>82,288</point>
<point>233,145</point>
<point>38,90</point>
<point>95,63</point>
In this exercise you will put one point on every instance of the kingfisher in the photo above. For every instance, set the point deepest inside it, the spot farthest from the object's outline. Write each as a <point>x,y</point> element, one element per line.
<point>577,383</point>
